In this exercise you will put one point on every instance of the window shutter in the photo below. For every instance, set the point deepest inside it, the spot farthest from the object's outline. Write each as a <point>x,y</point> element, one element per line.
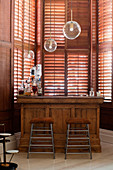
<point>105,48</point>
<point>54,63</point>
<point>81,14</point>
<point>57,21</point>
<point>54,69</point>
<point>24,40</point>
<point>17,70</point>
<point>77,76</point>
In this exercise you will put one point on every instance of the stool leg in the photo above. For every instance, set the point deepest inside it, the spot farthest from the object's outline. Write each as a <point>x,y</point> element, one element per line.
<point>30,141</point>
<point>68,126</point>
<point>51,125</point>
<point>89,142</point>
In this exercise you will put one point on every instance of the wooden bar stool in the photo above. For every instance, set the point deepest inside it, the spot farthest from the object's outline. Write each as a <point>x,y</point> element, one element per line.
<point>41,136</point>
<point>78,137</point>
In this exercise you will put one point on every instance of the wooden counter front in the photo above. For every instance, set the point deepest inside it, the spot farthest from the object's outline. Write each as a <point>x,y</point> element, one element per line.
<point>60,108</point>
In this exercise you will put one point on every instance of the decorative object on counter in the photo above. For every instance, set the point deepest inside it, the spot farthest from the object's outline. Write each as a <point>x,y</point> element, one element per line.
<point>33,71</point>
<point>27,91</point>
<point>98,93</point>
<point>91,93</point>
<point>21,88</point>
<point>36,73</point>
<point>34,86</point>
<point>39,87</point>
<point>50,44</point>
<point>71,29</point>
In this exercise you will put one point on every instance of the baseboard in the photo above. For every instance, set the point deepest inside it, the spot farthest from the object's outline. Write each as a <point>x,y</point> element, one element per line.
<point>106,136</point>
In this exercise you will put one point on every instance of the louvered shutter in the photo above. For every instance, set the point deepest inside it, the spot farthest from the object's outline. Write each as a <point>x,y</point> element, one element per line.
<point>17,70</point>
<point>81,14</point>
<point>24,40</point>
<point>77,75</point>
<point>54,63</point>
<point>54,71</point>
<point>57,21</point>
<point>105,48</point>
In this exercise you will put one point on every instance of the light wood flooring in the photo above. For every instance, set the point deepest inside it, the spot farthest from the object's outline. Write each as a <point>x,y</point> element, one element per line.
<point>100,161</point>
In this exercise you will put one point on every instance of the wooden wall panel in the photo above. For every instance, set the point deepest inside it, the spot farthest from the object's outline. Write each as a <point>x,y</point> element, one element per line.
<point>5,20</point>
<point>106,118</point>
<point>6,63</point>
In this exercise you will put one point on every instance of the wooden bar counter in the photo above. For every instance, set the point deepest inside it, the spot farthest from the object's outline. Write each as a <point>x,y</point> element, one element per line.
<point>60,108</point>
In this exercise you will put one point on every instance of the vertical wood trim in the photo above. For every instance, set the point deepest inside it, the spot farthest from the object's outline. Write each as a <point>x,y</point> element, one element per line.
<point>73,112</point>
<point>90,45</point>
<point>112,55</point>
<point>22,120</point>
<point>66,8</point>
<point>42,45</point>
<point>12,53</point>
<point>65,85</point>
<point>36,44</point>
<point>97,47</point>
<point>23,41</point>
<point>47,111</point>
<point>98,120</point>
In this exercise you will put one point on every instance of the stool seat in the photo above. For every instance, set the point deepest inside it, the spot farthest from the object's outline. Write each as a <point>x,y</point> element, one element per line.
<point>12,151</point>
<point>42,120</point>
<point>77,121</point>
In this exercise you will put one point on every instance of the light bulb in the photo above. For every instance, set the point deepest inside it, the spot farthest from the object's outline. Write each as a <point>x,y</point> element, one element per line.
<point>50,45</point>
<point>29,56</point>
<point>71,26</point>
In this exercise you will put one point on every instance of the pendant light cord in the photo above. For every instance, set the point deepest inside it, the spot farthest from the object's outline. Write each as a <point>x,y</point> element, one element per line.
<point>50,19</point>
<point>71,10</point>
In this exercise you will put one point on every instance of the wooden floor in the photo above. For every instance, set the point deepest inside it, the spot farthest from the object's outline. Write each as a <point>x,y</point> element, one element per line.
<point>100,161</point>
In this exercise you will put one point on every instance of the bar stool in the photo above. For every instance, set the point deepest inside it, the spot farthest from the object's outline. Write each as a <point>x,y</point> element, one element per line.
<point>41,136</point>
<point>78,137</point>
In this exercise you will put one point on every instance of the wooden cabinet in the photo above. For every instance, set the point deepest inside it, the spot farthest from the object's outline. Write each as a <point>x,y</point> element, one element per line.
<point>60,108</point>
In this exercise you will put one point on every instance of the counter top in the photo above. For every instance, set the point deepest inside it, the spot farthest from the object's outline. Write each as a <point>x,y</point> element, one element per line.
<point>60,99</point>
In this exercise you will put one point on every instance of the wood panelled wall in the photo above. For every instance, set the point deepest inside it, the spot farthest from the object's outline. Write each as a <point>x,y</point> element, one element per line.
<point>6,63</point>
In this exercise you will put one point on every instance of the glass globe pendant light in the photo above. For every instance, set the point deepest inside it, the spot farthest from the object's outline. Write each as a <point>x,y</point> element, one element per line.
<point>50,44</point>
<point>71,29</point>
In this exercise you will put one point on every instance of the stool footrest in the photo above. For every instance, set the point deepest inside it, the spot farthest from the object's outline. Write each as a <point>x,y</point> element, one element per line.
<point>77,148</point>
<point>39,145</point>
<point>79,138</point>
<point>77,145</point>
<point>41,137</point>
<point>42,152</point>
<point>78,153</point>
<point>41,130</point>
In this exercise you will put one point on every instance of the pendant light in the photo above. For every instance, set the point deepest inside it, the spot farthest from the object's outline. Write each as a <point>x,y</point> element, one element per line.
<point>71,29</point>
<point>50,44</point>
<point>30,54</point>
